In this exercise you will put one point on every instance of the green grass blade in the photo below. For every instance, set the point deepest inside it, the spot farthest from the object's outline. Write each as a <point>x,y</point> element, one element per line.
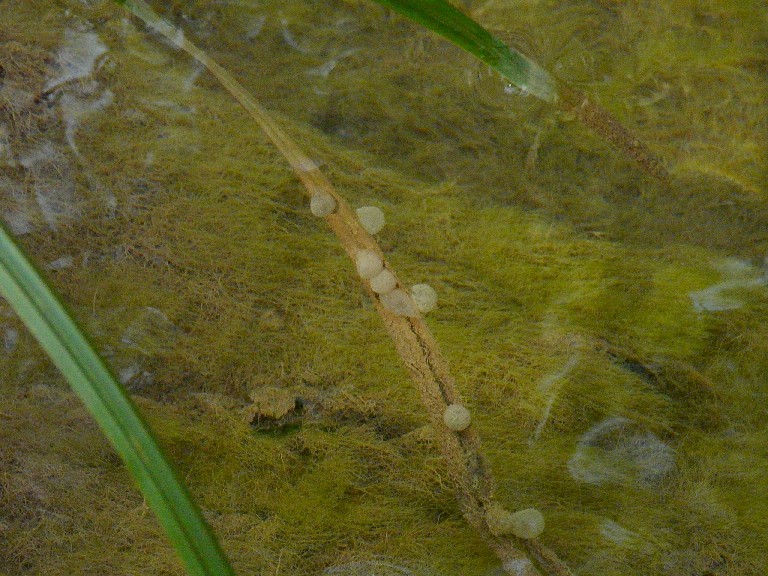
<point>442,18</point>
<point>45,316</point>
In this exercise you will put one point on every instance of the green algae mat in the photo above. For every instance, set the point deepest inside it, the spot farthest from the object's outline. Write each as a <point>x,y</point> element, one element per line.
<point>605,330</point>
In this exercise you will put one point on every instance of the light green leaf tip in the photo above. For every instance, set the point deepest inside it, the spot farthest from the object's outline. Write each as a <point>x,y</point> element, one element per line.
<point>442,18</point>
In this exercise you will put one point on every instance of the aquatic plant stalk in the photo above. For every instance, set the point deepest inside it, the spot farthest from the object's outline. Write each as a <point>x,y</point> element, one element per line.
<point>608,126</point>
<point>48,321</point>
<point>413,341</point>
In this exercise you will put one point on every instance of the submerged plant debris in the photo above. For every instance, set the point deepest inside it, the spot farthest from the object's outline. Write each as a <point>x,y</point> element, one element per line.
<point>607,332</point>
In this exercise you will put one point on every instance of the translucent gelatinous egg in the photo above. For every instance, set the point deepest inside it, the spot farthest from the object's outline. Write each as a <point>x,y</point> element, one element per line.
<point>384,282</point>
<point>368,264</point>
<point>424,296</point>
<point>305,165</point>
<point>322,204</point>
<point>371,218</point>
<point>398,302</point>
<point>457,417</point>
<point>526,524</point>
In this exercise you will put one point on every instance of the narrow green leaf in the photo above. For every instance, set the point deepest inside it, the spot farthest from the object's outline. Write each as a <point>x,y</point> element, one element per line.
<point>442,18</point>
<point>45,316</point>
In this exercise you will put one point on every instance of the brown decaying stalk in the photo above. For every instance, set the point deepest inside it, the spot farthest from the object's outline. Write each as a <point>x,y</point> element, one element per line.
<point>603,123</point>
<point>467,467</point>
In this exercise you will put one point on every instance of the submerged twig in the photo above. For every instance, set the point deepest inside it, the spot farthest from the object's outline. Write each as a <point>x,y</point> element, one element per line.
<point>467,467</point>
<point>605,124</point>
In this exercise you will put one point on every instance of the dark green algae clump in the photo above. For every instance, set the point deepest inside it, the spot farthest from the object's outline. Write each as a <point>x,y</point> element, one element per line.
<point>607,333</point>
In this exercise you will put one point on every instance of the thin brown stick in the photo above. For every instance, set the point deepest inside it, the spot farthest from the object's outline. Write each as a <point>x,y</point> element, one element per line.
<point>606,125</point>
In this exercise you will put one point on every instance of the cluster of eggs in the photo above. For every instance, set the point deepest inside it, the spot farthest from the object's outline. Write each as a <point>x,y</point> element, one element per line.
<point>528,523</point>
<point>370,267</point>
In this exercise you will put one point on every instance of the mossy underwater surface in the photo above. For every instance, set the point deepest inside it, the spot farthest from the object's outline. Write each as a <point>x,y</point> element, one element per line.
<point>607,332</point>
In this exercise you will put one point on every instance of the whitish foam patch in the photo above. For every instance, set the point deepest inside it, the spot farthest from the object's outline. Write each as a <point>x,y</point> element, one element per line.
<point>134,378</point>
<point>74,108</point>
<point>53,185</point>
<point>61,263</point>
<point>77,57</point>
<point>17,216</point>
<point>614,532</point>
<point>290,39</point>
<point>737,275</point>
<point>192,77</point>
<point>327,67</point>
<point>619,451</point>
<point>151,332</point>
<point>254,26</point>
<point>77,102</point>
<point>128,373</point>
<point>10,339</point>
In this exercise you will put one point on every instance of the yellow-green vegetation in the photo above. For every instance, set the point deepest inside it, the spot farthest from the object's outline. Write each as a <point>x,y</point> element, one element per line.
<point>607,333</point>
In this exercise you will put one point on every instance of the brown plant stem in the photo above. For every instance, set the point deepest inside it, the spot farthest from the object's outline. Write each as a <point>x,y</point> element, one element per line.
<point>607,125</point>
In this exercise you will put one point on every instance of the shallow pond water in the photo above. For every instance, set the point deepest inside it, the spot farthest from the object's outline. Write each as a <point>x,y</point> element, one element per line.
<point>606,330</point>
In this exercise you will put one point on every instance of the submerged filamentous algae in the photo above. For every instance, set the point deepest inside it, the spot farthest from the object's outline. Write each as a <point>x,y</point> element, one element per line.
<point>607,332</point>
